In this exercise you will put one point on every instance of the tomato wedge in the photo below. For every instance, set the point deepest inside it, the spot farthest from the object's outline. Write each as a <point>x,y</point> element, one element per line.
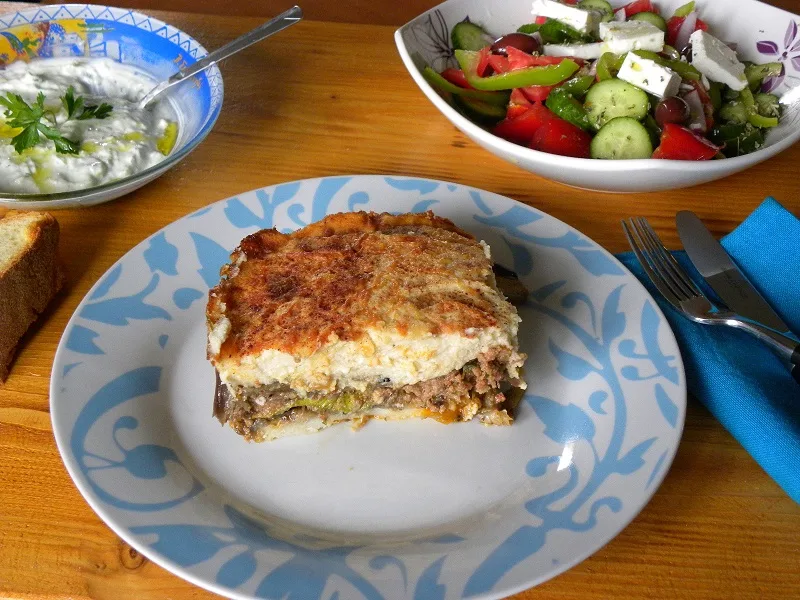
<point>483,61</point>
<point>557,136</point>
<point>515,110</point>
<point>638,6</point>
<point>674,25</point>
<point>518,103</point>
<point>537,93</point>
<point>456,77</point>
<point>517,97</point>
<point>521,129</point>
<point>679,143</point>
<point>499,63</point>
<point>540,20</point>
<point>517,59</point>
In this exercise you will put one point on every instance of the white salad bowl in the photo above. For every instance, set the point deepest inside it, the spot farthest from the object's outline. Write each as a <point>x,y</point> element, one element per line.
<point>132,38</point>
<point>762,33</point>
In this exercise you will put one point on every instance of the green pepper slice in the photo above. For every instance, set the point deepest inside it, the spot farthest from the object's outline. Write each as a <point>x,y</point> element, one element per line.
<point>685,70</point>
<point>752,113</point>
<point>546,75</point>
<point>608,65</point>
<point>715,93</point>
<point>529,28</point>
<point>683,11</point>
<point>756,74</point>
<point>670,52</point>
<point>737,139</point>
<point>578,86</point>
<point>568,108</point>
<point>437,81</point>
<point>556,32</point>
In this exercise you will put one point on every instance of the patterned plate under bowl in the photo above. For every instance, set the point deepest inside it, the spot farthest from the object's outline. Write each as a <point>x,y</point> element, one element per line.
<point>412,509</point>
<point>128,37</point>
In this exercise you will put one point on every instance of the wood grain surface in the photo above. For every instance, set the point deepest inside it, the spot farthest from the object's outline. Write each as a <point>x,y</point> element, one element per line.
<point>373,12</point>
<point>326,99</point>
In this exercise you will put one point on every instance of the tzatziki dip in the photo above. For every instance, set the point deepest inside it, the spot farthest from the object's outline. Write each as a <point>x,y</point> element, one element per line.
<point>78,125</point>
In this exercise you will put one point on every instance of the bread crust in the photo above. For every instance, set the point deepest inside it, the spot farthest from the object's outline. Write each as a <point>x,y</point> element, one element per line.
<point>28,280</point>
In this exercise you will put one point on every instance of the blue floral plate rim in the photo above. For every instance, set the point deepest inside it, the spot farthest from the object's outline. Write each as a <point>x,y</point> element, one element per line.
<point>165,287</point>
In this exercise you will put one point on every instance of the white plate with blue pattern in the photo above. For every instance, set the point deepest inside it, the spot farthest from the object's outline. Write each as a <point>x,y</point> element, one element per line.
<point>412,509</point>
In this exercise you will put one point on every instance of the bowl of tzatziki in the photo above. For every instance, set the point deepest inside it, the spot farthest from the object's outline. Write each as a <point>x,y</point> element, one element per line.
<point>72,132</point>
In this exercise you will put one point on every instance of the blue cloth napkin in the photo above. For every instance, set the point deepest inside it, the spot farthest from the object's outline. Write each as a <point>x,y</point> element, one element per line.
<point>744,385</point>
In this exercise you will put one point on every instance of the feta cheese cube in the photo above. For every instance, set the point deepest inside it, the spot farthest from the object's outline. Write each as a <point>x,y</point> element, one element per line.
<point>716,60</point>
<point>585,51</point>
<point>585,21</point>
<point>649,76</point>
<point>623,36</point>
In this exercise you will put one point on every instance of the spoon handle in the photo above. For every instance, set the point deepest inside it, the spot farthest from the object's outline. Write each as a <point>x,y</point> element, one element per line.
<point>279,23</point>
<point>271,27</point>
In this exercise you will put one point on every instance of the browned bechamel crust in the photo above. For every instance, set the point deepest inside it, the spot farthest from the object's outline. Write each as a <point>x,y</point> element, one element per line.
<point>350,272</point>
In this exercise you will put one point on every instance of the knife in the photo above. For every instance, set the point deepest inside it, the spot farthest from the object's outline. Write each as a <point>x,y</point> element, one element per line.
<point>727,280</point>
<point>721,273</point>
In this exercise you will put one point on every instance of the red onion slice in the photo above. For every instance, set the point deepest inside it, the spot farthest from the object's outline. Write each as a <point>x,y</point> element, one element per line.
<point>697,120</point>
<point>620,15</point>
<point>686,29</point>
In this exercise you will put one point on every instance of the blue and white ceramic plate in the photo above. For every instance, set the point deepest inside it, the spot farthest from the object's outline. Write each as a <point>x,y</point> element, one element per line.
<point>408,510</point>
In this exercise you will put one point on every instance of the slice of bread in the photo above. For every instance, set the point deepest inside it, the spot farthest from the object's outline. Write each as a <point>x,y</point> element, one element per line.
<point>29,275</point>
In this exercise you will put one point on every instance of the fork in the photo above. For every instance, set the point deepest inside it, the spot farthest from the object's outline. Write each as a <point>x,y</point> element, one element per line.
<point>677,288</point>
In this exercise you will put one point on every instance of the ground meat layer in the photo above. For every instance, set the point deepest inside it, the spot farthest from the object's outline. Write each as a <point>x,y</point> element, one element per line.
<point>460,395</point>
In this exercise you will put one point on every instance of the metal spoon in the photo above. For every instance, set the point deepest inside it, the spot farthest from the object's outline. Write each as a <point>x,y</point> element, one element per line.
<point>271,27</point>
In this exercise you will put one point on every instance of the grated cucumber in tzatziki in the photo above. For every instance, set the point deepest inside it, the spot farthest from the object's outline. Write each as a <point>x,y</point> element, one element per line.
<point>126,141</point>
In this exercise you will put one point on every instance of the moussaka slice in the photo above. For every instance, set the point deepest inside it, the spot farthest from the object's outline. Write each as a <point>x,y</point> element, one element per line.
<point>358,316</point>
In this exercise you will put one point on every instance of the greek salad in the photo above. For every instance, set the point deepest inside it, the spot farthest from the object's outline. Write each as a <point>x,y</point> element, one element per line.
<point>591,81</point>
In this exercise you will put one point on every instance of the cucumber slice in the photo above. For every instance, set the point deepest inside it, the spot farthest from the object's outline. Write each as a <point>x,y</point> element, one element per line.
<point>733,112</point>
<point>599,6</point>
<point>466,35</point>
<point>767,105</point>
<point>478,111</point>
<point>651,18</point>
<point>622,138</point>
<point>612,98</point>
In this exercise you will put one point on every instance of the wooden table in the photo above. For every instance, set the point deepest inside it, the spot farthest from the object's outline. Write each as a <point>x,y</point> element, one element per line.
<point>334,98</point>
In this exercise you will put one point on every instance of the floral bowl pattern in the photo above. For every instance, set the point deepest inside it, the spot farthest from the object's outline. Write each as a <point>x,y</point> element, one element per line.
<point>788,54</point>
<point>752,26</point>
<point>61,30</point>
<point>399,510</point>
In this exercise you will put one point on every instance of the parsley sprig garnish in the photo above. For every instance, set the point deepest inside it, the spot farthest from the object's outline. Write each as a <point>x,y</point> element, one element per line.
<point>31,119</point>
<point>76,110</point>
